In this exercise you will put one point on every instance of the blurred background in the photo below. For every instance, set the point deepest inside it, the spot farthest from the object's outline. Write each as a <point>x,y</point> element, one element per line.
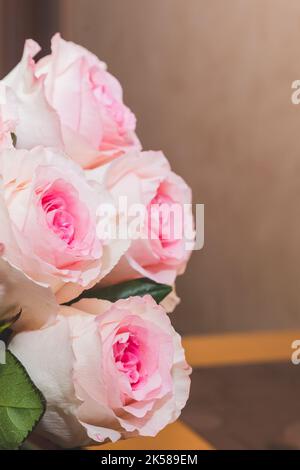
<point>210,84</point>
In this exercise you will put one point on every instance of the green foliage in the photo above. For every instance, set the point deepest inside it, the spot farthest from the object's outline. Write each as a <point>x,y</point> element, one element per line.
<point>137,287</point>
<point>21,403</point>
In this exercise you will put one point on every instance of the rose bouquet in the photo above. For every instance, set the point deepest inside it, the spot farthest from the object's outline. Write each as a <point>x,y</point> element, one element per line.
<point>94,232</point>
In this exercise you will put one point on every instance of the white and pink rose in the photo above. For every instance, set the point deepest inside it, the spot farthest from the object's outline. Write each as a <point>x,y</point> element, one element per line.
<point>80,104</point>
<point>120,371</point>
<point>167,233</point>
<point>51,212</point>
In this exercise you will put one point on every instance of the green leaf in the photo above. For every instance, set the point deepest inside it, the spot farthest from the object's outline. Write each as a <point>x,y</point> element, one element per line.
<point>6,323</point>
<point>127,289</point>
<point>21,403</point>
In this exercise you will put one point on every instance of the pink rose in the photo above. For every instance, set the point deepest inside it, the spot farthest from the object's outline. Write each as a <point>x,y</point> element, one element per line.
<point>164,247</point>
<point>96,125</point>
<point>52,216</point>
<point>108,371</point>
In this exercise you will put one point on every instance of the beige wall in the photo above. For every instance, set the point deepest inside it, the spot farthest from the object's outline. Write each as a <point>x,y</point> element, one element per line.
<point>210,83</point>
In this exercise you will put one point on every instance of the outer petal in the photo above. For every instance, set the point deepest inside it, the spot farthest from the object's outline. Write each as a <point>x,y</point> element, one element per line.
<point>18,291</point>
<point>48,357</point>
<point>149,169</point>
<point>37,121</point>
<point>8,116</point>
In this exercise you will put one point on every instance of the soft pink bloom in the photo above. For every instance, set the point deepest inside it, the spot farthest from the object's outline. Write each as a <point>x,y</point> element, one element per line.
<point>52,214</point>
<point>108,371</point>
<point>164,247</point>
<point>96,125</point>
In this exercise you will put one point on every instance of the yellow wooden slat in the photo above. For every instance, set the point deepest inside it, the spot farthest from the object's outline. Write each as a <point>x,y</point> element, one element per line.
<point>240,348</point>
<point>176,436</point>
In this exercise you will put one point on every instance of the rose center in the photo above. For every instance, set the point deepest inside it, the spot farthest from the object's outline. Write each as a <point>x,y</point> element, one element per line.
<point>163,220</point>
<point>126,352</point>
<point>59,220</point>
